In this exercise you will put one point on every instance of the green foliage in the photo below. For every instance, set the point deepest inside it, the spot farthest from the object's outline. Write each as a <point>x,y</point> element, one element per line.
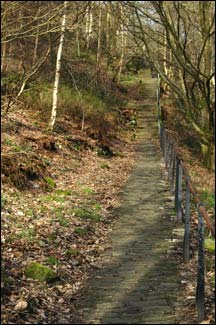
<point>51,260</point>
<point>31,213</point>
<point>10,81</point>
<point>50,181</point>
<point>136,63</point>
<point>8,142</point>
<point>94,100</point>
<point>105,151</point>
<point>104,166</point>
<point>72,252</point>
<point>39,96</point>
<point>39,272</point>
<point>46,161</point>
<point>82,78</point>
<point>16,147</point>
<point>95,206</point>
<point>63,192</point>
<point>88,190</point>
<point>80,231</point>
<point>63,221</point>
<point>28,233</point>
<point>210,244</point>
<point>208,198</point>
<point>58,199</point>
<point>90,102</point>
<point>87,214</point>
<point>52,197</point>
<point>119,154</point>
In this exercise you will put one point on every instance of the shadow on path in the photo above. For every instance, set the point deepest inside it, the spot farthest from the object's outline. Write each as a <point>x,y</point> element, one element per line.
<point>138,280</point>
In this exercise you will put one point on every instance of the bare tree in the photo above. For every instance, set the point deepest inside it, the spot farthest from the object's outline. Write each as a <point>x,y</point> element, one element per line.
<point>184,59</point>
<point>99,37</point>
<point>58,69</point>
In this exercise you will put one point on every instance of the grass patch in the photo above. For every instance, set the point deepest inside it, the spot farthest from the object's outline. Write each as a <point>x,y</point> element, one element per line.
<point>63,192</point>
<point>52,197</point>
<point>105,151</point>
<point>39,272</point>
<point>208,198</point>
<point>96,206</point>
<point>72,252</point>
<point>63,221</point>
<point>16,147</point>
<point>210,244</point>
<point>31,213</point>
<point>80,231</point>
<point>95,100</point>
<point>104,166</point>
<point>88,191</point>
<point>50,181</point>
<point>51,260</point>
<point>87,214</point>
<point>130,79</point>
<point>29,233</point>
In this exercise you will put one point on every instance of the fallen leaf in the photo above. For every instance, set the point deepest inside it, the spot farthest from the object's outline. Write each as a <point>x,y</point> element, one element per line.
<point>21,305</point>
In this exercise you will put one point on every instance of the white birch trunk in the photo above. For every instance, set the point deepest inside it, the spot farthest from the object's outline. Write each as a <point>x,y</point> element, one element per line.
<point>108,27</point>
<point>36,47</point>
<point>3,58</point>
<point>99,39</point>
<point>121,34</point>
<point>58,68</point>
<point>165,56</point>
<point>87,28</point>
<point>121,59</point>
<point>89,24</point>
<point>78,43</point>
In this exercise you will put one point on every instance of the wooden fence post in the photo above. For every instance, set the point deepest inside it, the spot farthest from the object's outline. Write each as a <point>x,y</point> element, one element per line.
<point>187,225</point>
<point>178,192</point>
<point>200,290</point>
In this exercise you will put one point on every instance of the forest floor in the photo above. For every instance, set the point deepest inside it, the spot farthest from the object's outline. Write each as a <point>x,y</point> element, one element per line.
<point>59,193</point>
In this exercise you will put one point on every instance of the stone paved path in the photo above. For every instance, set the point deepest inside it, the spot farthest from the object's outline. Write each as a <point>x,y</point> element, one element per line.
<point>138,282</point>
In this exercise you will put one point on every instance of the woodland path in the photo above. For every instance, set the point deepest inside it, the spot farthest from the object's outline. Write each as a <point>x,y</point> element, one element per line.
<point>138,282</point>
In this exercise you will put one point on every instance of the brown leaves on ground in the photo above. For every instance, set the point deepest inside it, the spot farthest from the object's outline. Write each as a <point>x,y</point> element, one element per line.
<point>62,225</point>
<point>204,180</point>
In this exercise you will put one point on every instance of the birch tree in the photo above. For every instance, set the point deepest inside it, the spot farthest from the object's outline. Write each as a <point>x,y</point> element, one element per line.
<point>122,42</point>
<point>189,31</point>
<point>58,70</point>
<point>89,24</point>
<point>99,39</point>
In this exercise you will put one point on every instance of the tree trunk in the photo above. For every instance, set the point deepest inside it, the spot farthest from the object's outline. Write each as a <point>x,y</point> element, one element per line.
<point>3,58</point>
<point>89,24</point>
<point>108,28</point>
<point>36,47</point>
<point>78,43</point>
<point>208,153</point>
<point>99,40</point>
<point>58,69</point>
<point>122,46</point>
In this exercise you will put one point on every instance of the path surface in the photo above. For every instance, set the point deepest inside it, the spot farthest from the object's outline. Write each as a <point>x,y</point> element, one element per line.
<point>138,282</point>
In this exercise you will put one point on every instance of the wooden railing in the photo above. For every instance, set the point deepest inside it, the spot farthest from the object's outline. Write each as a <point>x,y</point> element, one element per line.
<point>177,174</point>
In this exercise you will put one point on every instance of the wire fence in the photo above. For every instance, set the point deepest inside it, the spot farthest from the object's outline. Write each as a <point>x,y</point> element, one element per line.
<point>185,194</point>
